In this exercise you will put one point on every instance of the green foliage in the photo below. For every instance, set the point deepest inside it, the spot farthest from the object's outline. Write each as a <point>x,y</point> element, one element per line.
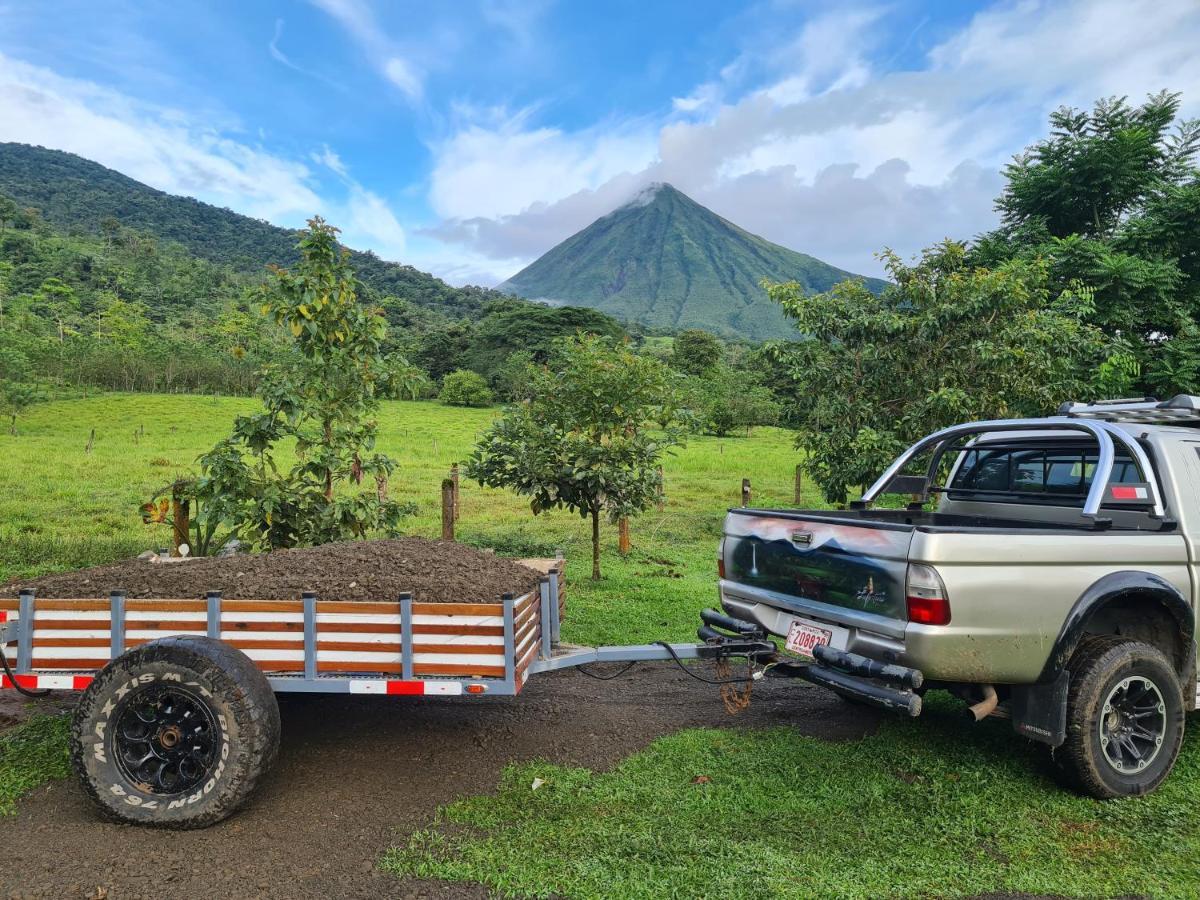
<point>947,343</point>
<point>731,399</point>
<point>666,261</point>
<point>582,441</point>
<point>321,397</point>
<point>462,387</point>
<point>15,398</point>
<point>1111,201</point>
<point>696,352</point>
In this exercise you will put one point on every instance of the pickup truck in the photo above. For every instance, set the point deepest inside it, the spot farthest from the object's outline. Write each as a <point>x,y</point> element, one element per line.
<point>1046,570</point>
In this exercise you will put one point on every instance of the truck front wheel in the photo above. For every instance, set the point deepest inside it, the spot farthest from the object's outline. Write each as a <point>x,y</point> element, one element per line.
<point>1125,718</point>
<point>175,733</point>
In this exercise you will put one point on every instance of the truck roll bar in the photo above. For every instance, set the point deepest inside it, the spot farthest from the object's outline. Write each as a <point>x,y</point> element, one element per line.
<point>1103,432</point>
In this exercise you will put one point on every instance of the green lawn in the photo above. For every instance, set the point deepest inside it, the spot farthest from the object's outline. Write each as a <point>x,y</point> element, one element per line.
<point>925,808</point>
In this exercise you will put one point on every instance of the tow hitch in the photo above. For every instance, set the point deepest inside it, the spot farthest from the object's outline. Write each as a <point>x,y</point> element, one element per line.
<point>885,685</point>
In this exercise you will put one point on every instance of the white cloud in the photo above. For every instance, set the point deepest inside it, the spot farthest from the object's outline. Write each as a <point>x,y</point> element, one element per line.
<point>357,18</point>
<point>165,149</point>
<point>489,170</point>
<point>830,152</point>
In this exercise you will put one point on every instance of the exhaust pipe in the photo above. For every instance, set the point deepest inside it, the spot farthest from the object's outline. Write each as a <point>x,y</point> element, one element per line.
<point>977,712</point>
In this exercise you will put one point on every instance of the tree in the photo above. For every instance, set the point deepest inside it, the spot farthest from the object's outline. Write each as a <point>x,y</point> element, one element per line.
<point>462,387</point>
<point>15,398</point>
<point>58,302</point>
<point>947,342</point>
<point>403,380</point>
<point>321,396</point>
<point>696,352</point>
<point>730,399</point>
<point>582,441</point>
<point>1111,201</point>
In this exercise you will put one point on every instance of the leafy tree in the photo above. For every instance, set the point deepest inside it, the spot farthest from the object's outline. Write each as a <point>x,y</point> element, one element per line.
<point>1111,201</point>
<point>512,378</point>
<point>58,302</point>
<point>404,381</point>
<point>696,352</point>
<point>582,441</point>
<point>947,342</point>
<point>462,387</point>
<point>730,399</point>
<point>322,397</point>
<point>6,270</point>
<point>15,398</point>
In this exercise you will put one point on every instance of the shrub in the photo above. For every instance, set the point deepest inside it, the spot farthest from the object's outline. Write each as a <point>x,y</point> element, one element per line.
<point>462,387</point>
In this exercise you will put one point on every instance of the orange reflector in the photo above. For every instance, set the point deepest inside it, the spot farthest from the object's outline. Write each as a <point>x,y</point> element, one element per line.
<point>721,567</point>
<point>476,688</point>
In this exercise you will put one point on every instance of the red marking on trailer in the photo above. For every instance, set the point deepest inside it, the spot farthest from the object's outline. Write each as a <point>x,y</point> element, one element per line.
<point>409,688</point>
<point>48,682</point>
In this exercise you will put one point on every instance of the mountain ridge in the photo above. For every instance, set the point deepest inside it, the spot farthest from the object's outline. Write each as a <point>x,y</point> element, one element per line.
<point>663,259</point>
<point>72,192</point>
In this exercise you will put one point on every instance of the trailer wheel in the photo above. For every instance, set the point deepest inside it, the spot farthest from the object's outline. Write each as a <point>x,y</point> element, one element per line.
<point>1125,719</point>
<point>175,733</point>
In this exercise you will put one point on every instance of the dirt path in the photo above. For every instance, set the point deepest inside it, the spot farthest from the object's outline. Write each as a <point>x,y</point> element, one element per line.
<point>355,774</point>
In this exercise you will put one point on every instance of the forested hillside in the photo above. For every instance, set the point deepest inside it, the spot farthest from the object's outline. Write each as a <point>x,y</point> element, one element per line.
<point>80,196</point>
<point>126,310</point>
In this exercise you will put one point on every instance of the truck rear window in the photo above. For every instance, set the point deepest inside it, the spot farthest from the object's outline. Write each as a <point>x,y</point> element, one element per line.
<point>1034,474</point>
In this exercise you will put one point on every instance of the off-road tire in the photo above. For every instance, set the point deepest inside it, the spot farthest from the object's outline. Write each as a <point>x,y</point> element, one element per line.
<point>228,739</point>
<point>1097,669</point>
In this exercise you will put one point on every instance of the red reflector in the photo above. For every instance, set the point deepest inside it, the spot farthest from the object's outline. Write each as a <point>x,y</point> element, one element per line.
<point>721,567</point>
<point>476,688</point>
<point>929,610</point>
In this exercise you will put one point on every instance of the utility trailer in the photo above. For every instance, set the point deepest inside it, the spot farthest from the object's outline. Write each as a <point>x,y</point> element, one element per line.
<point>178,718</point>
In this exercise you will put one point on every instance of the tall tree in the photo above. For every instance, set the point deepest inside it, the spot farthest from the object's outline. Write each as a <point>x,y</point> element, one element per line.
<point>583,441</point>
<point>1111,200</point>
<point>947,342</point>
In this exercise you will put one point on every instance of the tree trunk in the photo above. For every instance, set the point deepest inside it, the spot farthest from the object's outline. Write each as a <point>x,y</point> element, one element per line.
<point>596,544</point>
<point>328,472</point>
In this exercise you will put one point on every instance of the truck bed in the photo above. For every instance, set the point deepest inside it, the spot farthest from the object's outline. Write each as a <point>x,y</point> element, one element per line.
<point>923,520</point>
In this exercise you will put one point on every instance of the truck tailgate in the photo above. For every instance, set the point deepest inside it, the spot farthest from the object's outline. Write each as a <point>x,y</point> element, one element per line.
<point>841,562</point>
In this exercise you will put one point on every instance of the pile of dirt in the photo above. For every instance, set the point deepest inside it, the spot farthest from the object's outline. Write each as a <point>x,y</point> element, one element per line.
<point>432,571</point>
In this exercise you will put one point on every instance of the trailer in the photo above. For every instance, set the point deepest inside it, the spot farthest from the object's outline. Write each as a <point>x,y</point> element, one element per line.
<point>178,718</point>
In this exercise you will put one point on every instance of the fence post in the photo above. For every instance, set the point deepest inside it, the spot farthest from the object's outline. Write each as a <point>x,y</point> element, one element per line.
<point>659,490</point>
<point>447,509</point>
<point>25,635</point>
<point>799,486</point>
<point>454,478</point>
<point>745,492</point>
<point>213,599</point>
<point>623,545</point>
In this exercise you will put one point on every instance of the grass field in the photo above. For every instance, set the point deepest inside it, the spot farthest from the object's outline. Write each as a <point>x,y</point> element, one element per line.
<point>923,808</point>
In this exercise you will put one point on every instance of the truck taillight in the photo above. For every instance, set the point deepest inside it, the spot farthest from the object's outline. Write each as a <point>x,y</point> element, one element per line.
<point>721,559</point>
<point>926,596</point>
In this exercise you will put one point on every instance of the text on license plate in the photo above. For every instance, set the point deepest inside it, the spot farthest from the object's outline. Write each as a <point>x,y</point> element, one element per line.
<point>802,637</point>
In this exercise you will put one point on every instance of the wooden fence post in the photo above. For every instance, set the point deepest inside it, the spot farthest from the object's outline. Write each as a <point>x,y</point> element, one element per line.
<point>447,509</point>
<point>745,492</point>
<point>181,514</point>
<point>454,478</point>
<point>623,545</point>
<point>91,441</point>
<point>799,486</point>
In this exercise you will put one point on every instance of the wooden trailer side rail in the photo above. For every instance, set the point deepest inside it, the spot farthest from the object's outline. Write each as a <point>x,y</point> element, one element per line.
<point>397,647</point>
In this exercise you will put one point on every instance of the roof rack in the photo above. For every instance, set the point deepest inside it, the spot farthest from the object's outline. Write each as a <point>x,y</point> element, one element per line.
<point>1180,409</point>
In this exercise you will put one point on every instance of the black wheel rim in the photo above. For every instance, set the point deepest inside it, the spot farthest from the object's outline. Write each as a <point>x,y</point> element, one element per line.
<point>1133,723</point>
<point>166,739</point>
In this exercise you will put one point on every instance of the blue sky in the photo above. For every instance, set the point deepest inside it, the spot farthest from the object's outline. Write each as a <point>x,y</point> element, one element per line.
<point>469,137</point>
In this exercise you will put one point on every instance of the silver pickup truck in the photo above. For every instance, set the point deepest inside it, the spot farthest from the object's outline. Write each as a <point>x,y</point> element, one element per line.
<point>1041,569</point>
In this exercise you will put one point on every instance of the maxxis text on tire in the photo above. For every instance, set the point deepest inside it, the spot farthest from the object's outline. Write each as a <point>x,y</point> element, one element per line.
<point>175,733</point>
<point>1125,719</point>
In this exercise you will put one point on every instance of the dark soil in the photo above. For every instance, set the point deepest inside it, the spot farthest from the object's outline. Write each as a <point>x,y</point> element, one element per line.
<point>432,571</point>
<point>355,775</point>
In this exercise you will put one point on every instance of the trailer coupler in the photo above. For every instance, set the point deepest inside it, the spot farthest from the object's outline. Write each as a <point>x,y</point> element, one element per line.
<point>884,685</point>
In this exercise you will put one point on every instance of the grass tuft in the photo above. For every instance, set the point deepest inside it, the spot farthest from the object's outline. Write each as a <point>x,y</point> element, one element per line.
<point>31,754</point>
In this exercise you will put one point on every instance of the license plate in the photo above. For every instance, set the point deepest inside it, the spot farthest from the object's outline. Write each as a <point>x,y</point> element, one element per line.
<point>802,637</point>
